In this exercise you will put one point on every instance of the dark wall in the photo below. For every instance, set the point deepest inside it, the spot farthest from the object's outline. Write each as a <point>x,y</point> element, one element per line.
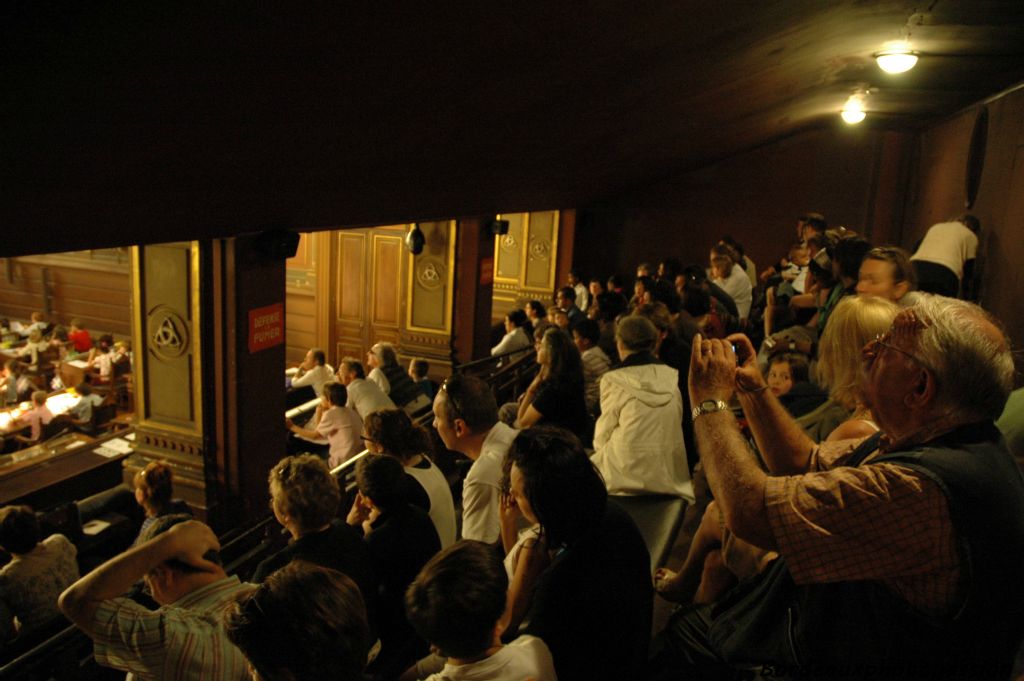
<point>755,197</point>
<point>939,193</point>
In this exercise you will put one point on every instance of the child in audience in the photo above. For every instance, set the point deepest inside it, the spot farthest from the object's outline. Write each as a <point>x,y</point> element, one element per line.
<point>38,324</point>
<point>12,383</point>
<point>38,416</point>
<point>35,347</point>
<point>82,411</point>
<point>37,574</point>
<point>784,371</point>
<point>456,604</point>
<point>418,369</point>
<point>79,337</point>
<point>102,356</point>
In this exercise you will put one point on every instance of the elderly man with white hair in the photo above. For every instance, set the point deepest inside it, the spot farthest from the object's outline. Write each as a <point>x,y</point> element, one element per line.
<point>899,555</point>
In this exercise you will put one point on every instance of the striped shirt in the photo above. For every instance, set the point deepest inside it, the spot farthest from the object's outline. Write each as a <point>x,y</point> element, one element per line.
<point>177,642</point>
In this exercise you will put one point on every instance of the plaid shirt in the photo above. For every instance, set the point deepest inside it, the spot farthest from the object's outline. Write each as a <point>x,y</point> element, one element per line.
<point>880,522</point>
<point>181,641</point>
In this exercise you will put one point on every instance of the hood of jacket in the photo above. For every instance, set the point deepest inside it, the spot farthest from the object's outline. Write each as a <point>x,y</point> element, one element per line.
<point>654,385</point>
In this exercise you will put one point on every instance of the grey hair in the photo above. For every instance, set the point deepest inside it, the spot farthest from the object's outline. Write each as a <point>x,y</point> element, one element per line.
<point>386,353</point>
<point>974,375</point>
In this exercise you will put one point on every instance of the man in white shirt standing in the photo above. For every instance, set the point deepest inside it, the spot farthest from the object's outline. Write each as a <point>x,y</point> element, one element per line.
<point>314,371</point>
<point>466,418</point>
<point>945,257</point>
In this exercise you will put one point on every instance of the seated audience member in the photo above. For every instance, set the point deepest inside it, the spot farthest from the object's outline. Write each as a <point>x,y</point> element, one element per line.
<point>644,269</point>
<point>59,342</point>
<point>87,402</point>
<point>526,553</point>
<point>36,417</point>
<point>615,285</point>
<point>565,299</point>
<point>466,419</point>
<point>946,256</point>
<point>80,339</point>
<point>697,303</point>
<point>536,312</point>
<point>314,371</point>
<point>333,421</point>
<point>695,274</point>
<point>789,380</point>
<point>582,292</point>
<point>641,290</point>
<point>607,308</point>
<point>595,287</point>
<point>559,318</point>
<point>855,322</point>
<point>33,348</point>
<point>154,489</point>
<point>101,356</point>
<point>184,638</point>
<point>304,497</point>
<point>38,323</point>
<point>887,272</point>
<point>456,604</point>
<point>916,531</point>
<point>516,335</point>
<point>1011,425</point>
<point>744,261</point>
<point>592,605</point>
<point>638,442</point>
<point>14,385</point>
<point>728,273</point>
<point>303,622</point>
<point>401,539</point>
<point>387,373</point>
<point>364,396</point>
<point>668,270</point>
<point>391,432</point>
<point>555,397</point>
<point>586,335</point>
<point>40,569</point>
<point>418,369</point>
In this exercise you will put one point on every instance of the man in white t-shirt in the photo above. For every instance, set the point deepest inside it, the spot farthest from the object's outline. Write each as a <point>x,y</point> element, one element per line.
<point>945,257</point>
<point>457,604</point>
<point>314,371</point>
<point>466,418</point>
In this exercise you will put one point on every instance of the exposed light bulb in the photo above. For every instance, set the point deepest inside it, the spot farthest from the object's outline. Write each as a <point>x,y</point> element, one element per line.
<point>853,111</point>
<point>896,61</point>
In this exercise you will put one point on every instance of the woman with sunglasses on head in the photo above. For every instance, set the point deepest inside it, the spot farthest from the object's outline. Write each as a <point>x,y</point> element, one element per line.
<point>391,432</point>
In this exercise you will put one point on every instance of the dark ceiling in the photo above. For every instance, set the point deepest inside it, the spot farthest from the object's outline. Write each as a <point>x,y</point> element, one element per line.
<point>144,122</point>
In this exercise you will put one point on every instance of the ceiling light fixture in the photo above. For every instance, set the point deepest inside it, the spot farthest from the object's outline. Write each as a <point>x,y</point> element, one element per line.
<point>853,110</point>
<point>896,61</point>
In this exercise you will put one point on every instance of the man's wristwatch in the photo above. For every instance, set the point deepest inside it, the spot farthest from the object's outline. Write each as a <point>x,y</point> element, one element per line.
<point>709,407</point>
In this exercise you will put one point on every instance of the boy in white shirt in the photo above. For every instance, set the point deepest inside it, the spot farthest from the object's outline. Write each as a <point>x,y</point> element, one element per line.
<point>456,604</point>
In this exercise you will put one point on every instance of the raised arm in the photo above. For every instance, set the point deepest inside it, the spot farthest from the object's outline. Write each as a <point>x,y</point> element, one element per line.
<point>780,439</point>
<point>736,480</point>
<point>186,541</point>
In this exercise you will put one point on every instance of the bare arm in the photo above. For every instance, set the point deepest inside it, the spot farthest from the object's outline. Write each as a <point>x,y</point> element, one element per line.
<point>782,442</point>
<point>733,474</point>
<point>187,542</point>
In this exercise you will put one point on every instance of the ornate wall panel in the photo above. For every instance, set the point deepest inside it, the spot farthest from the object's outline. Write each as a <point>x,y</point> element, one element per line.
<point>386,273</point>
<point>167,342</point>
<point>525,261</point>
<point>429,296</point>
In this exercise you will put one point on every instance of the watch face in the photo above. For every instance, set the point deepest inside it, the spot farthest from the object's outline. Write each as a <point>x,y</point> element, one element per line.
<point>709,405</point>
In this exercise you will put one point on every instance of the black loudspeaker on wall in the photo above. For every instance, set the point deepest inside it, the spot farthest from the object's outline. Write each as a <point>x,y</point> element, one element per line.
<point>499,227</point>
<point>278,244</point>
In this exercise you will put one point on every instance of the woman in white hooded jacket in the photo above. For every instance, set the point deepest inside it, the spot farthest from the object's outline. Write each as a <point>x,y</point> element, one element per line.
<point>638,442</point>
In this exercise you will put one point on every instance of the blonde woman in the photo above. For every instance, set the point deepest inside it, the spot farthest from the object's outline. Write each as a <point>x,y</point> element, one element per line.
<point>855,322</point>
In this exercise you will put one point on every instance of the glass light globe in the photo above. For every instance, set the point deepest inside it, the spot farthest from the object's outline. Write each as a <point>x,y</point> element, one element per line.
<point>896,62</point>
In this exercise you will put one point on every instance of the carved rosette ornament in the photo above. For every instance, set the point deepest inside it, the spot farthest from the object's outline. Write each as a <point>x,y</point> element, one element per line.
<point>540,249</point>
<point>508,243</point>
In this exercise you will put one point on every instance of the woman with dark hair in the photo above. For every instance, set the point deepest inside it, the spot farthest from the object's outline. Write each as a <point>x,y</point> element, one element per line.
<point>304,622</point>
<point>606,309</point>
<point>592,604</point>
<point>391,432</point>
<point>555,396</point>
<point>517,333</point>
<point>536,312</point>
<point>154,486</point>
<point>40,569</point>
